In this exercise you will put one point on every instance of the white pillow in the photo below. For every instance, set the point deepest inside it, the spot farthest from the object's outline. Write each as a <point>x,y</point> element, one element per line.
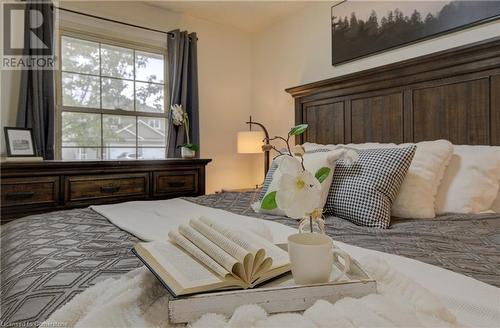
<point>496,203</point>
<point>417,196</point>
<point>471,181</point>
<point>313,161</point>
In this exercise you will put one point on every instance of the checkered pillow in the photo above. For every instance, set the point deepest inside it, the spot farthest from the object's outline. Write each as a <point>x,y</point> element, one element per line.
<point>268,180</point>
<point>364,191</point>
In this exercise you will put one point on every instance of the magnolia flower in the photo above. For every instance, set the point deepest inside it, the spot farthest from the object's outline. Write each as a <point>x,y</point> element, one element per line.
<point>299,190</point>
<point>177,114</point>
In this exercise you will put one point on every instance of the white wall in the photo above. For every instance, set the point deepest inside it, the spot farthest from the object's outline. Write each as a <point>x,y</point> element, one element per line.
<point>297,50</point>
<point>224,63</point>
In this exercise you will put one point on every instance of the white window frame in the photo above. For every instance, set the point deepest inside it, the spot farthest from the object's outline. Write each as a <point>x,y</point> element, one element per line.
<point>93,37</point>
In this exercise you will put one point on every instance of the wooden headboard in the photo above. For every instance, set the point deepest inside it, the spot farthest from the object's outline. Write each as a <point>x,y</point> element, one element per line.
<point>453,94</point>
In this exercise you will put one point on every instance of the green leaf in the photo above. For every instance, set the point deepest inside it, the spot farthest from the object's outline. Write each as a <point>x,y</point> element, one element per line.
<point>269,202</point>
<point>189,146</point>
<point>298,130</point>
<point>322,174</point>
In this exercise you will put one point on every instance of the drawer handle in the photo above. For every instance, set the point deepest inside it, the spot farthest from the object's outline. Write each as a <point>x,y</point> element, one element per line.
<point>110,189</point>
<point>176,184</point>
<point>20,195</point>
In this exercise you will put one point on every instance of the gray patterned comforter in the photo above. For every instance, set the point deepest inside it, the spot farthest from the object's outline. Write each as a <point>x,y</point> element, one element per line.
<point>47,259</point>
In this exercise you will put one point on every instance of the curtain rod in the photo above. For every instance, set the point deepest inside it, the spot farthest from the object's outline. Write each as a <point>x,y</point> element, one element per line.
<point>115,21</point>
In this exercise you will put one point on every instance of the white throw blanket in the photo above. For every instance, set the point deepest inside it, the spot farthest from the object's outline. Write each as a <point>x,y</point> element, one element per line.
<point>152,220</point>
<point>137,299</point>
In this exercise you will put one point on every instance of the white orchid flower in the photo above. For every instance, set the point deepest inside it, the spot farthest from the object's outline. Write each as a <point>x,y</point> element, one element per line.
<point>177,114</point>
<point>299,190</point>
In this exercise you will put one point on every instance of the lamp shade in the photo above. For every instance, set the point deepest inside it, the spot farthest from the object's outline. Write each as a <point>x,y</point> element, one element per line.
<point>250,142</point>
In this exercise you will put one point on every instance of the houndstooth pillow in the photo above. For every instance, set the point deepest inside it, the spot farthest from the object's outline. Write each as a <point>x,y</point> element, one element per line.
<point>268,179</point>
<point>364,191</point>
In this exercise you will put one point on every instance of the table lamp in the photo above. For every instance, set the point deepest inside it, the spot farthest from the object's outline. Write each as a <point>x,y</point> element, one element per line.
<point>255,142</point>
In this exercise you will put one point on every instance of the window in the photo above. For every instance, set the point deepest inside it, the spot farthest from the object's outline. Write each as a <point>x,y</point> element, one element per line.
<point>112,101</point>
<point>154,123</point>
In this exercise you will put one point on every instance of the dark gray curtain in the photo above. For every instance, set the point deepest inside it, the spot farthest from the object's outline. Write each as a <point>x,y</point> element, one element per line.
<point>36,103</point>
<point>183,87</point>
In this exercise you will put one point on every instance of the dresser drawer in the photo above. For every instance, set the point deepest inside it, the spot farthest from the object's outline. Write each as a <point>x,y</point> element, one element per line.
<point>176,183</point>
<point>28,191</point>
<point>89,187</point>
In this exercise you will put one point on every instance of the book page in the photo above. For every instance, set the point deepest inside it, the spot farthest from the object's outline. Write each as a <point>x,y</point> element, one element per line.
<point>230,247</point>
<point>238,238</point>
<point>252,242</point>
<point>220,240</point>
<point>215,252</point>
<point>171,262</point>
<point>279,256</point>
<point>198,254</point>
<point>259,255</point>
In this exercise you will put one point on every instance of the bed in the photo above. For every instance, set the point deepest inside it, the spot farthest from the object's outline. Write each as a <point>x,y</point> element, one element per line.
<point>48,259</point>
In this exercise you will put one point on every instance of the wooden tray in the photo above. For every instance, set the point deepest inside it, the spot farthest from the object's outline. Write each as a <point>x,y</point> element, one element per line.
<point>279,295</point>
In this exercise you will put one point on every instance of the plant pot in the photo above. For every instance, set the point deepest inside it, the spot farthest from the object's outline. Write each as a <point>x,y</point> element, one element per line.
<point>187,153</point>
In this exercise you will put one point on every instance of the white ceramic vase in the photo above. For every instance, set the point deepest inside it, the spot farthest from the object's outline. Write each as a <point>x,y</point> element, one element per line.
<point>187,153</point>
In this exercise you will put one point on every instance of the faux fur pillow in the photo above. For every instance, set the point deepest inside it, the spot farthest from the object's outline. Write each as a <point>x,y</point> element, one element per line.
<point>471,181</point>
<point>496,203</point>
<point>417,196</point>
<point>495,207</point>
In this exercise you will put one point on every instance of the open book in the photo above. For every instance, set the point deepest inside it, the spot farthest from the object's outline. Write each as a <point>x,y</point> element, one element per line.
<point>205,255</point>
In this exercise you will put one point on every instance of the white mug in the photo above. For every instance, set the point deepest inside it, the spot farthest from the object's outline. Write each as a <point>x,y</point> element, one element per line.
<point>312,256</point>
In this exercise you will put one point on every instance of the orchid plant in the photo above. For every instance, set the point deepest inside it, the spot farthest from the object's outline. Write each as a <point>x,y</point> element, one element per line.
<point>299,191</point>
<point>180,118</point>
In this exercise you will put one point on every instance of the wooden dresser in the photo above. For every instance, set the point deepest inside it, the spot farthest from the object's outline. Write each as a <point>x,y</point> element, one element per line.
<point>29,188</point>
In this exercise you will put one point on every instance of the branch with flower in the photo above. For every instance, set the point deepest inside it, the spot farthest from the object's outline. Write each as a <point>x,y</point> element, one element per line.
<point>181,118</point>
<point>298,191</point>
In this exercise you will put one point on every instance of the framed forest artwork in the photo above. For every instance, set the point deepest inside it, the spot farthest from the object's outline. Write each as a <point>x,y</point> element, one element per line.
<point>362,28</point>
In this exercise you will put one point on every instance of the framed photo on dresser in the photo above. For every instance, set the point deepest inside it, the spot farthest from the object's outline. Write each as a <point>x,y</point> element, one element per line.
<point>19,142</point>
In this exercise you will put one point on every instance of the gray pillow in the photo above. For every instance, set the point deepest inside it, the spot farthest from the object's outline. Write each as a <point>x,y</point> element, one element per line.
<point>364,192</point>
